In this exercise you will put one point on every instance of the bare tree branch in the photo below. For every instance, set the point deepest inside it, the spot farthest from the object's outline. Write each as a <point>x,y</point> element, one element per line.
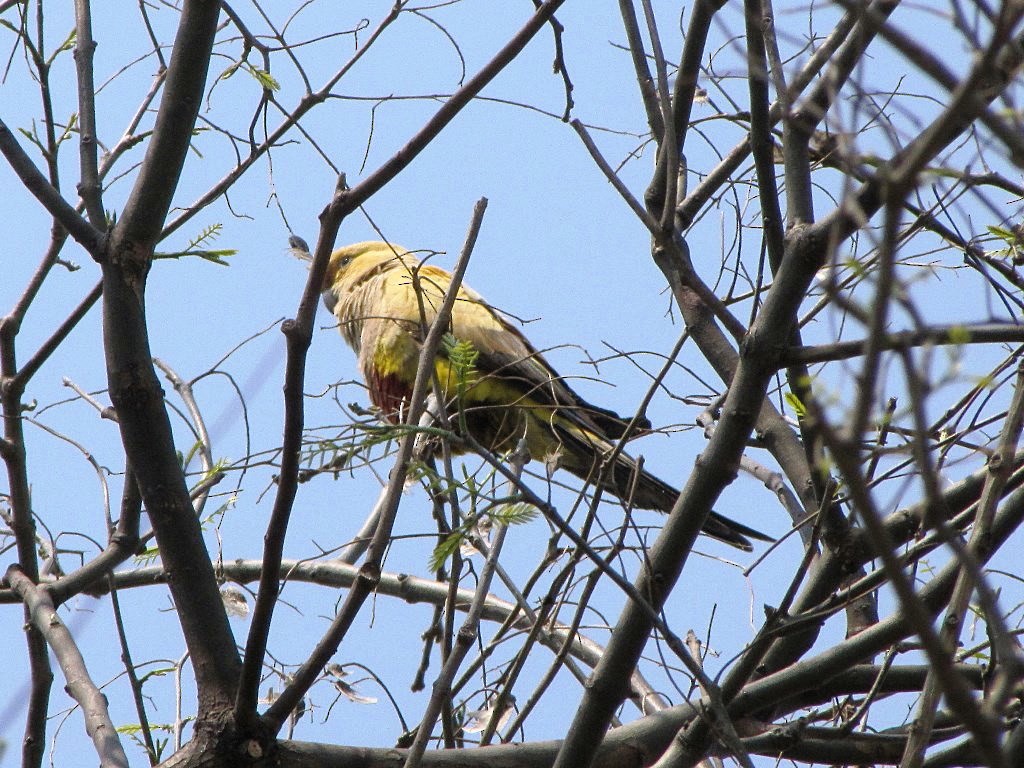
<point>79,684</point>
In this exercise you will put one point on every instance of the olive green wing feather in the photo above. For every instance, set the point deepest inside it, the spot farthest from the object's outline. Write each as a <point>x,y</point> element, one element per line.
<point>505,353</point>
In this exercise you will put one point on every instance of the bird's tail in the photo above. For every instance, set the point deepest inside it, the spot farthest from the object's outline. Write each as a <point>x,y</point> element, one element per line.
<point>651,492</point>
<point>635,485</point>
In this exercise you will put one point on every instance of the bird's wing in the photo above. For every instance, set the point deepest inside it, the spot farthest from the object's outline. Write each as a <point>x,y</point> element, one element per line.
<point>390,307</point>
<point>505,353</point>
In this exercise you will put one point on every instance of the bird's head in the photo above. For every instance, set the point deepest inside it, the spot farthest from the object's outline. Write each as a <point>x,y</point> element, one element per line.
<point>352,264</point>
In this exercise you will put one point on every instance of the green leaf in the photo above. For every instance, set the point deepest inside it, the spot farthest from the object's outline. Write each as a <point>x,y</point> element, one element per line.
<point>515,514</point>
<point>159,672</point>
<point>230,71</point>
<point>446,549</point>
<point>1002,233</point>
<point>215,256</point>
<point>462,355</point>
<point>265,79</point>
<point>147,555</point>
<point>67,45</point>
<point>795,403</point>
<point>131,728</point>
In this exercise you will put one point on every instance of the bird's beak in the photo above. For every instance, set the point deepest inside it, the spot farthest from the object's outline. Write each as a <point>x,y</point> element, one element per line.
<point>330,300</point>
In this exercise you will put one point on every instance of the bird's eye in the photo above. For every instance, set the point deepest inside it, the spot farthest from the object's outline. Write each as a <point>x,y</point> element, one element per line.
<point>345,261</point>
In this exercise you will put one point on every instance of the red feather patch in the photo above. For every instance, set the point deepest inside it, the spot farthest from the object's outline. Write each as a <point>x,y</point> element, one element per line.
<point>390,394</point>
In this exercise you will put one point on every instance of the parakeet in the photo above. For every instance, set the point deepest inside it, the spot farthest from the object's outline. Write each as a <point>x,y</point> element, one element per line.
<point>384,298</point>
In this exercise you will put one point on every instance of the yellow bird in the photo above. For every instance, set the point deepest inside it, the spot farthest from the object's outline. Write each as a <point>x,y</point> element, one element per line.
<point>384,297</point>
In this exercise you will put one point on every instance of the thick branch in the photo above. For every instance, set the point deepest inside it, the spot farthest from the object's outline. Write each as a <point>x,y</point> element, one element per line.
<point>79,685</point>
<point>135,390</point>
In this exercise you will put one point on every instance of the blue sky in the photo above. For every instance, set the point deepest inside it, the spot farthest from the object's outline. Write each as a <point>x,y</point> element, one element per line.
<point>558,248</point>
